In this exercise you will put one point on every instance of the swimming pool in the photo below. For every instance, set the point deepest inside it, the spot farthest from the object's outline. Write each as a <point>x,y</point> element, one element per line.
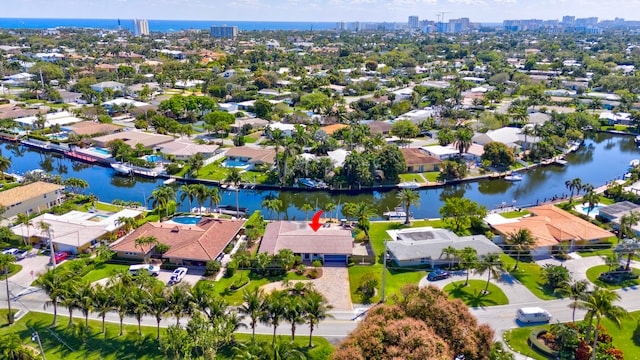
<point>101,151</point>
<point>58,136</point>
<point>98,218</point>
<point>154,158</point>
<point>187,220</point>
<point>594,212</point>
<point>235,164</point>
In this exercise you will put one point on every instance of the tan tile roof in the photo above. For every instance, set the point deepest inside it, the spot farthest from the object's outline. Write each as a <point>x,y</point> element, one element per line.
<point>551,225</point>
<point>201,242</point>
<point>26,192</point>
<point>133,137</point>
<point>265,155</point>
<point>416,157</point>
<point>330,129</point>
<point>93,128</point>
<point>298,236</point>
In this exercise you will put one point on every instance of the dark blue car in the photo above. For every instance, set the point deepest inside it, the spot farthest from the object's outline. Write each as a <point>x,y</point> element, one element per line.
<point>438,275</point>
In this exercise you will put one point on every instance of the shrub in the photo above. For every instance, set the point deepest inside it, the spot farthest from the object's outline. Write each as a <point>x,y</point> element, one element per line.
<point>316,263</point>
<point>212,268</point>
<point>539,346</point>
<point>232,266</point>
<point>301,269</point>
<point>313,273</point>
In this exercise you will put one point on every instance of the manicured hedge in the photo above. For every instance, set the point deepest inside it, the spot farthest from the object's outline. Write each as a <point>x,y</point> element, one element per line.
<point>539,346</point>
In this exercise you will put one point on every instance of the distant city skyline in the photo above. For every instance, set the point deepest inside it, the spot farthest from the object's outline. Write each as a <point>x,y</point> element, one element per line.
<point>486,11</point>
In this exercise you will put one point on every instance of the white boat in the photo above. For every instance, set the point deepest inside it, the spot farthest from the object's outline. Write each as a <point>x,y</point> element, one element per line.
<point>397,214</point>
<point>513,178</point>
<point>637,139</point>
<point>634,163</point>
<point>122,168</point>
<point>169,181</point>
<point>409,185</point>
<point>561,162</point>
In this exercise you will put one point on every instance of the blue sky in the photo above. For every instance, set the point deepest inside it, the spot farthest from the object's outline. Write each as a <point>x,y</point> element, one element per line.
<point>320,10</point>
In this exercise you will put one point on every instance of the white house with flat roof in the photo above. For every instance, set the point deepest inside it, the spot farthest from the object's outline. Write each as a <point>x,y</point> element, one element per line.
<point>113,85</point>
<point>60,118</point>
<point>440,152</point>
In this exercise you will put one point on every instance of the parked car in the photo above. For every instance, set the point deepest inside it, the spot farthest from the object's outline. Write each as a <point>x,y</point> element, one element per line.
<point>16,253</point>
<point>178,275</point>
<point>151,269</point>
<point>438,275</point>
<point>60,257</point>
<point>533,315</point>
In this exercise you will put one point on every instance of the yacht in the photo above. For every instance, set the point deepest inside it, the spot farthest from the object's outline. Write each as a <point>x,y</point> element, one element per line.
<point>121,168</point>
<point>409,185</point>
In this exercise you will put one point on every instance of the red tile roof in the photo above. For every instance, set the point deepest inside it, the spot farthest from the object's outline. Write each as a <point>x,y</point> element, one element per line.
<point>416,157</point>
<point>201,242</point>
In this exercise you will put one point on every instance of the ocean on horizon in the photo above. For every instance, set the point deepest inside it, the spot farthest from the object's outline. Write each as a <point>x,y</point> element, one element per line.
<point>161,25</point>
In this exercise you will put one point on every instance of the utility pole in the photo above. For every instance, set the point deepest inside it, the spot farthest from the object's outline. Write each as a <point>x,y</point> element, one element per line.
<point>384,271</point>
<point>35,336</point>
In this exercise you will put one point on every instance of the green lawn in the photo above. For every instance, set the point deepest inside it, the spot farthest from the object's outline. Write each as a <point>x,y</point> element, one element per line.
<point>213,171</point>
<point>102,271</point>
<point>432,176</point>
<point>235,297</point>
<point>3,315</point>
<point>625,337</point>
<point>594,272</point>
<point>472,294</point>
<point>530,275</point>
<point>62,343</point>
<point>515,214</point>
<point>396,278</point>
<point>13,269</point>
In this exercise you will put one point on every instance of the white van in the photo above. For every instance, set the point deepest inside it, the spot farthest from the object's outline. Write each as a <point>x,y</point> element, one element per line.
<point>533,314</point>
<point>151,269</point>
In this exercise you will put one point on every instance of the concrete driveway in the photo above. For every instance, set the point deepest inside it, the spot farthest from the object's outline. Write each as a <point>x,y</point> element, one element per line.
<point>32,266</point>
<point>192,277</point>
<point>333,284</point>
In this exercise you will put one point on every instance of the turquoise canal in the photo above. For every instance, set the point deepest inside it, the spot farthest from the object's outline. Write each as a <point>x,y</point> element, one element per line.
<point>600,160</point>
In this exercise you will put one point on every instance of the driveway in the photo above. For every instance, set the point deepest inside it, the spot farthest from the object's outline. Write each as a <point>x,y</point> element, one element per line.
<point>192,277</point>
<point>333,284</point>
<point>32,266</point>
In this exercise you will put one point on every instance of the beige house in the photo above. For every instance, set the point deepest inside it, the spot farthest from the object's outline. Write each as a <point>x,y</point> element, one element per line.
<point>30,198</point>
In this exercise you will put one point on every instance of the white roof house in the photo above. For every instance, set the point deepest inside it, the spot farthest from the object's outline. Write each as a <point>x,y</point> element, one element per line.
<point>615,118</point>
<point>184,149</point>
<point>287,129</point>
<point>418,115</point>
<point>75,230</point>
<point>122,102</point>
<point>506,135</point>
<point>338,156</point>
<point>113,85</point>
<point>440,152</point>
<point>60,118</point>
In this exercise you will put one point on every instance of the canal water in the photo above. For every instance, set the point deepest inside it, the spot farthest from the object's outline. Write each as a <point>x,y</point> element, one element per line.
<point>601,159</point>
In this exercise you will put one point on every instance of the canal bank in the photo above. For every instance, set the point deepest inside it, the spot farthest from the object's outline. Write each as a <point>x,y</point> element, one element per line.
<point>601,159</point>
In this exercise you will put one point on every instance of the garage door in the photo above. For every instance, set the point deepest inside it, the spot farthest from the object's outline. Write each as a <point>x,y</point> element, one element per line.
<point>335,259</point>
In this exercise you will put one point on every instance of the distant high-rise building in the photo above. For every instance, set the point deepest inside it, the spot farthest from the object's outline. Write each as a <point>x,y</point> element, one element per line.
<point>140,27</point>
<point>568,20</point>
<point>224,32</point>
<point>413,22</point>
<point>341,26</point>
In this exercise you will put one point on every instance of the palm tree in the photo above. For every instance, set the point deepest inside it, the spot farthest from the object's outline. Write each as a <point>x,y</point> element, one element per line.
<point>187,191</point>
<point>316,310</point>
<point>161,197</point>
<point>468,260</point>
<point>573,185</point>
<point>202,194</point>
<point>102,303</point>
<point>5,262</point>
<point>179,301</point>
<point>576,290</point>
<point>52,283</point>
<point>158,305</point>
<point>490,264</point>
<point>5,164</point>
<point>70,298</point>
<point>520,241</point>
<point>139,305</point>
<point>600,304</point>
<point>26,221</point>
<point>329,207</point>
<point>46,227</point>
<point>85,296</point>
<point>628,247</point>
<point>294,313</point>
<point>235,178</point>
<point>143,242</point>
<point>306,208</point>
<point>363,213</point>
<point>213,194</point>
<point>408,197</point>
<point>273,310</point>
<point>120,292</point>
<point>627,221</point>
<point>127,223</point>
<point>591,198</point>
<point>463,140</point>
<point>450,253</point>
<point>252,307</point>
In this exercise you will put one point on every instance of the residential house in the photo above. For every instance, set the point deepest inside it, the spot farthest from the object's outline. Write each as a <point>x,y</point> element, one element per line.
<point>113,85</point>
<point>379,127</point>
<point>551,226</point>
<point>621,118</point>
<point>425,246</point>
<point>133,137</point>
<point>61,118</point>
<point>287,129</point>
<point>75,231</point>
<point>189,245</point>
<point>35,197</point>
<point>418,161</point>
<point>509,136</point>
<point>615,212</point>
<point>440,152</point>
<point>255,123</point>
<point>252,156</point>
<point>185,149</point>
<point>331,245</point>
<point>91,128</point>
<point>68,97</point>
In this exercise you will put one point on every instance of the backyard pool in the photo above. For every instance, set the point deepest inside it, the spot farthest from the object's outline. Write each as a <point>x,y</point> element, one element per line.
<point>154,158</point>
<point>187,220</point>
<point>584,209</point>
<point>101,151</point>
<point>98,218</point>
<point>235,164</point>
